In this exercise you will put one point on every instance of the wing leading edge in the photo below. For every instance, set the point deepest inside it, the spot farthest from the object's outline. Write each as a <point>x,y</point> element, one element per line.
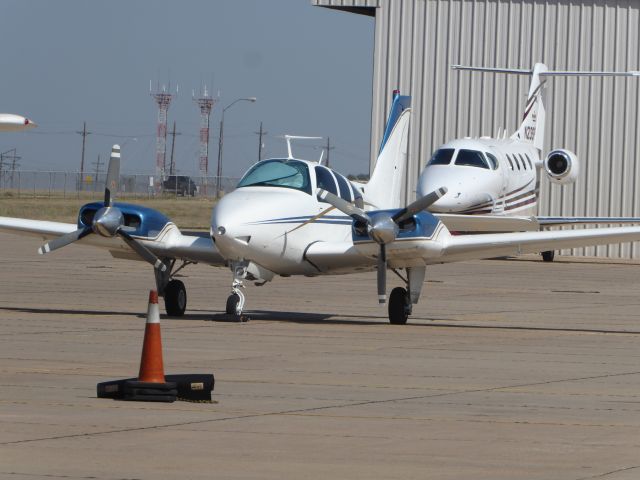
<point>469,247</point>
<point>505,223</point>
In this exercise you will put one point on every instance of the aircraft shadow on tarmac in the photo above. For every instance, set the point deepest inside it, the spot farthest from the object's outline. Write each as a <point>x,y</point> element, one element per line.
<point>317,318</point>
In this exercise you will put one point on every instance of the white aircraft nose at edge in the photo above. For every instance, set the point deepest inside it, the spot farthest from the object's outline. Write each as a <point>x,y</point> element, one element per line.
<point>15,123</point>
<point>292,217</point>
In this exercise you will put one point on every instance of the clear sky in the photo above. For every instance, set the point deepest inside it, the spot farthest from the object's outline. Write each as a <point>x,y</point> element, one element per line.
<point>68,61</point>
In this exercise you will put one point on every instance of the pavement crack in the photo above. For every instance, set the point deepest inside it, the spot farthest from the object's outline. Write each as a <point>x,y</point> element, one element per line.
<point>315,409</point>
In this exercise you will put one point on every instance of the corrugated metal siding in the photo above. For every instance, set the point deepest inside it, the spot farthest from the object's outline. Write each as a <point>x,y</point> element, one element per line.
<point>417,40</point>
<point>346,3</point>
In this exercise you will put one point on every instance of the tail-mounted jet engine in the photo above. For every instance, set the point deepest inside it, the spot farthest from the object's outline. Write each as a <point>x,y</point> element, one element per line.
<point>562,166</point>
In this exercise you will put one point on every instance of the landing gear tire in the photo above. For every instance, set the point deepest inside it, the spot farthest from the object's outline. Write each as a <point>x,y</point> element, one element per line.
<point>398,311</point>
<point>548,255</point>
<point>232,303</point>
<point>175,298</point>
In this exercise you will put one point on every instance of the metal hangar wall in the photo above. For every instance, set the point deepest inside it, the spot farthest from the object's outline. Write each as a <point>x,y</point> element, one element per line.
<point>598,118</point>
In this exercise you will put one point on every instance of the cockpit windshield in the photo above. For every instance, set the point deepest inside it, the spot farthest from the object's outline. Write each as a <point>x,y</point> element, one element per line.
<point>278,173</point>
<point>471,158</point>
<point>442,157</point>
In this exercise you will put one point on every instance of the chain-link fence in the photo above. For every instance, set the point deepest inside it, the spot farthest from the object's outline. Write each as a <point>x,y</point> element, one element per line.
<point>26,183</point>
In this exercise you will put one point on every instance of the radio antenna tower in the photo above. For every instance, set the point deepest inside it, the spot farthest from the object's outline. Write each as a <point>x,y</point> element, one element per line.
<point>206,103</point>
<point>163,100</point>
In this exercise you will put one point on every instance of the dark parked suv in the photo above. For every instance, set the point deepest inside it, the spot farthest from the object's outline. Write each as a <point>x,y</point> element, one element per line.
<point>180,185</point>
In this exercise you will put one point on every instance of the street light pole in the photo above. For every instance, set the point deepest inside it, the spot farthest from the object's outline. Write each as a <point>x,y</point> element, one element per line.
<point>221,140</point>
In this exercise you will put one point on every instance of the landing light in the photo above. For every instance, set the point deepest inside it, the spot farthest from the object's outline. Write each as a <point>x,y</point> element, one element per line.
<point>222,230</point>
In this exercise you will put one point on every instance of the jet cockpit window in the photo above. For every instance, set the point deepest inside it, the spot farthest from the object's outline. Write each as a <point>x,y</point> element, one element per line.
<point>492,160</point>
<point>278,173</point>
<point>345,190</point>
<point>471,158</point>
<point>325,180</point>
<point>442,157</point>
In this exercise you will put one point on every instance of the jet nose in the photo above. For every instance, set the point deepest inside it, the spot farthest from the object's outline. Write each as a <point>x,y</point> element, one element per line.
<point>465,191</point>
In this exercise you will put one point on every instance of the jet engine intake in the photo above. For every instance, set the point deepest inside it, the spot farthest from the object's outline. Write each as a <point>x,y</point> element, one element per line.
<point>561,166</point>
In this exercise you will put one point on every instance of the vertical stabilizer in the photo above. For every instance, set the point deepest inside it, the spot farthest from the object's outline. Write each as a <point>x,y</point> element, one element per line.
<point>384,189</point>
<point>532,126</point>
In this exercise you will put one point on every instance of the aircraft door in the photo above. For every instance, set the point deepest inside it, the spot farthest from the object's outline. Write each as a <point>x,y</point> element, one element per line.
<point>500,168</point>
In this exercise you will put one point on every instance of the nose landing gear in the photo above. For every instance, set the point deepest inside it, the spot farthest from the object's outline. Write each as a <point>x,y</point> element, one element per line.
<point>235,301</point>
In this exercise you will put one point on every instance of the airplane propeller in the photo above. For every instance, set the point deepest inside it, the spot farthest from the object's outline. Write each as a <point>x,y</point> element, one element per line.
<point>382,227</point>
<point>108,222</point>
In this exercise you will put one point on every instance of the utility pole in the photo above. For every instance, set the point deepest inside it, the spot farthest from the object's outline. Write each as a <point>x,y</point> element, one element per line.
<point>172,165</point>
<point>260,134</point>
<point>95,181</point>
<point>84,134</point>
<point>328,148</point>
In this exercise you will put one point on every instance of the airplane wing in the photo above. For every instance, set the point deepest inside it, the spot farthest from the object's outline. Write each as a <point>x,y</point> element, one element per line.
<point>505,223</point>
<point>468,247</point>
<point>168,243</point>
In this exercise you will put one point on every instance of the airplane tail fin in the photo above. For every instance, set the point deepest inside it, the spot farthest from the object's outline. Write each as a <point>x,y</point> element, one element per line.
<point>384,189</point>
<point>532,127</point>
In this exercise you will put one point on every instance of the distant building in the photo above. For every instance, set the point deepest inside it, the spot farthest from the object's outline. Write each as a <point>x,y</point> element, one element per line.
<point>599,119</point>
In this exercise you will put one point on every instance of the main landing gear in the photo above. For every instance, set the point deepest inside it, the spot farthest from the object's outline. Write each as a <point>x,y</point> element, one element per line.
<point>400,306</point>
<point>173,291</point>
<point>548,256</point>
<point>401,299</point>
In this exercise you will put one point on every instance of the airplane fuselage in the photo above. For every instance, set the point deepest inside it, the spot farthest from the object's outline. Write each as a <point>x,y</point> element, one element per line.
<point>272,221</point>
<point>484,176</point>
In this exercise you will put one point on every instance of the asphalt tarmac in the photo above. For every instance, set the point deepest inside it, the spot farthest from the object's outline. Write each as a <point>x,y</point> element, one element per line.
<point>507,370</point>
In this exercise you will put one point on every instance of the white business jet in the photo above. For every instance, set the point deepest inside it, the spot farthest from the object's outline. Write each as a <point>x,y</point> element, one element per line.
<point>15,123</point>
<point>296,217</point>
<point>497,179</point>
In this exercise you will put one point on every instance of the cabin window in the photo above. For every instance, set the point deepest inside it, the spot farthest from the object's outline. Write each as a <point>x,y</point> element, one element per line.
<point>345,190</point>
<point>510,162</point>
<point>471,158</point>
<point>529,160</point>
<point>492,160</point>
<point>524,164</point>
<point>442,157</point>
<point>325,180</point>
<point>282,173</point>
<point>516,162</point>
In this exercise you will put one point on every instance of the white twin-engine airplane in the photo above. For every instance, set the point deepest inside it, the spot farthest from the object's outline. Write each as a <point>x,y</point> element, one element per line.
<point>496,180</point>
<point>14,123</point>
<point>296,217</point>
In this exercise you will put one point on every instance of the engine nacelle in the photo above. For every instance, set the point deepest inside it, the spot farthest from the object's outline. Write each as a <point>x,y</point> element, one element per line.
<point>562,166</point>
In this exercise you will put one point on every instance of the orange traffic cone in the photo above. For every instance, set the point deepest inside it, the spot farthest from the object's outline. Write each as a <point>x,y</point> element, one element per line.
<point>151,367</point>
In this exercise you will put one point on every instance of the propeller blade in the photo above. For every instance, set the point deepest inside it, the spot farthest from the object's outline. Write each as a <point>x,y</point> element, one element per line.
<point>382,274</point>
<point>59,242</point>
<point>143,251</point>
<point>113,175</point>
<point>419,205</point>
<point>344,206</point>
